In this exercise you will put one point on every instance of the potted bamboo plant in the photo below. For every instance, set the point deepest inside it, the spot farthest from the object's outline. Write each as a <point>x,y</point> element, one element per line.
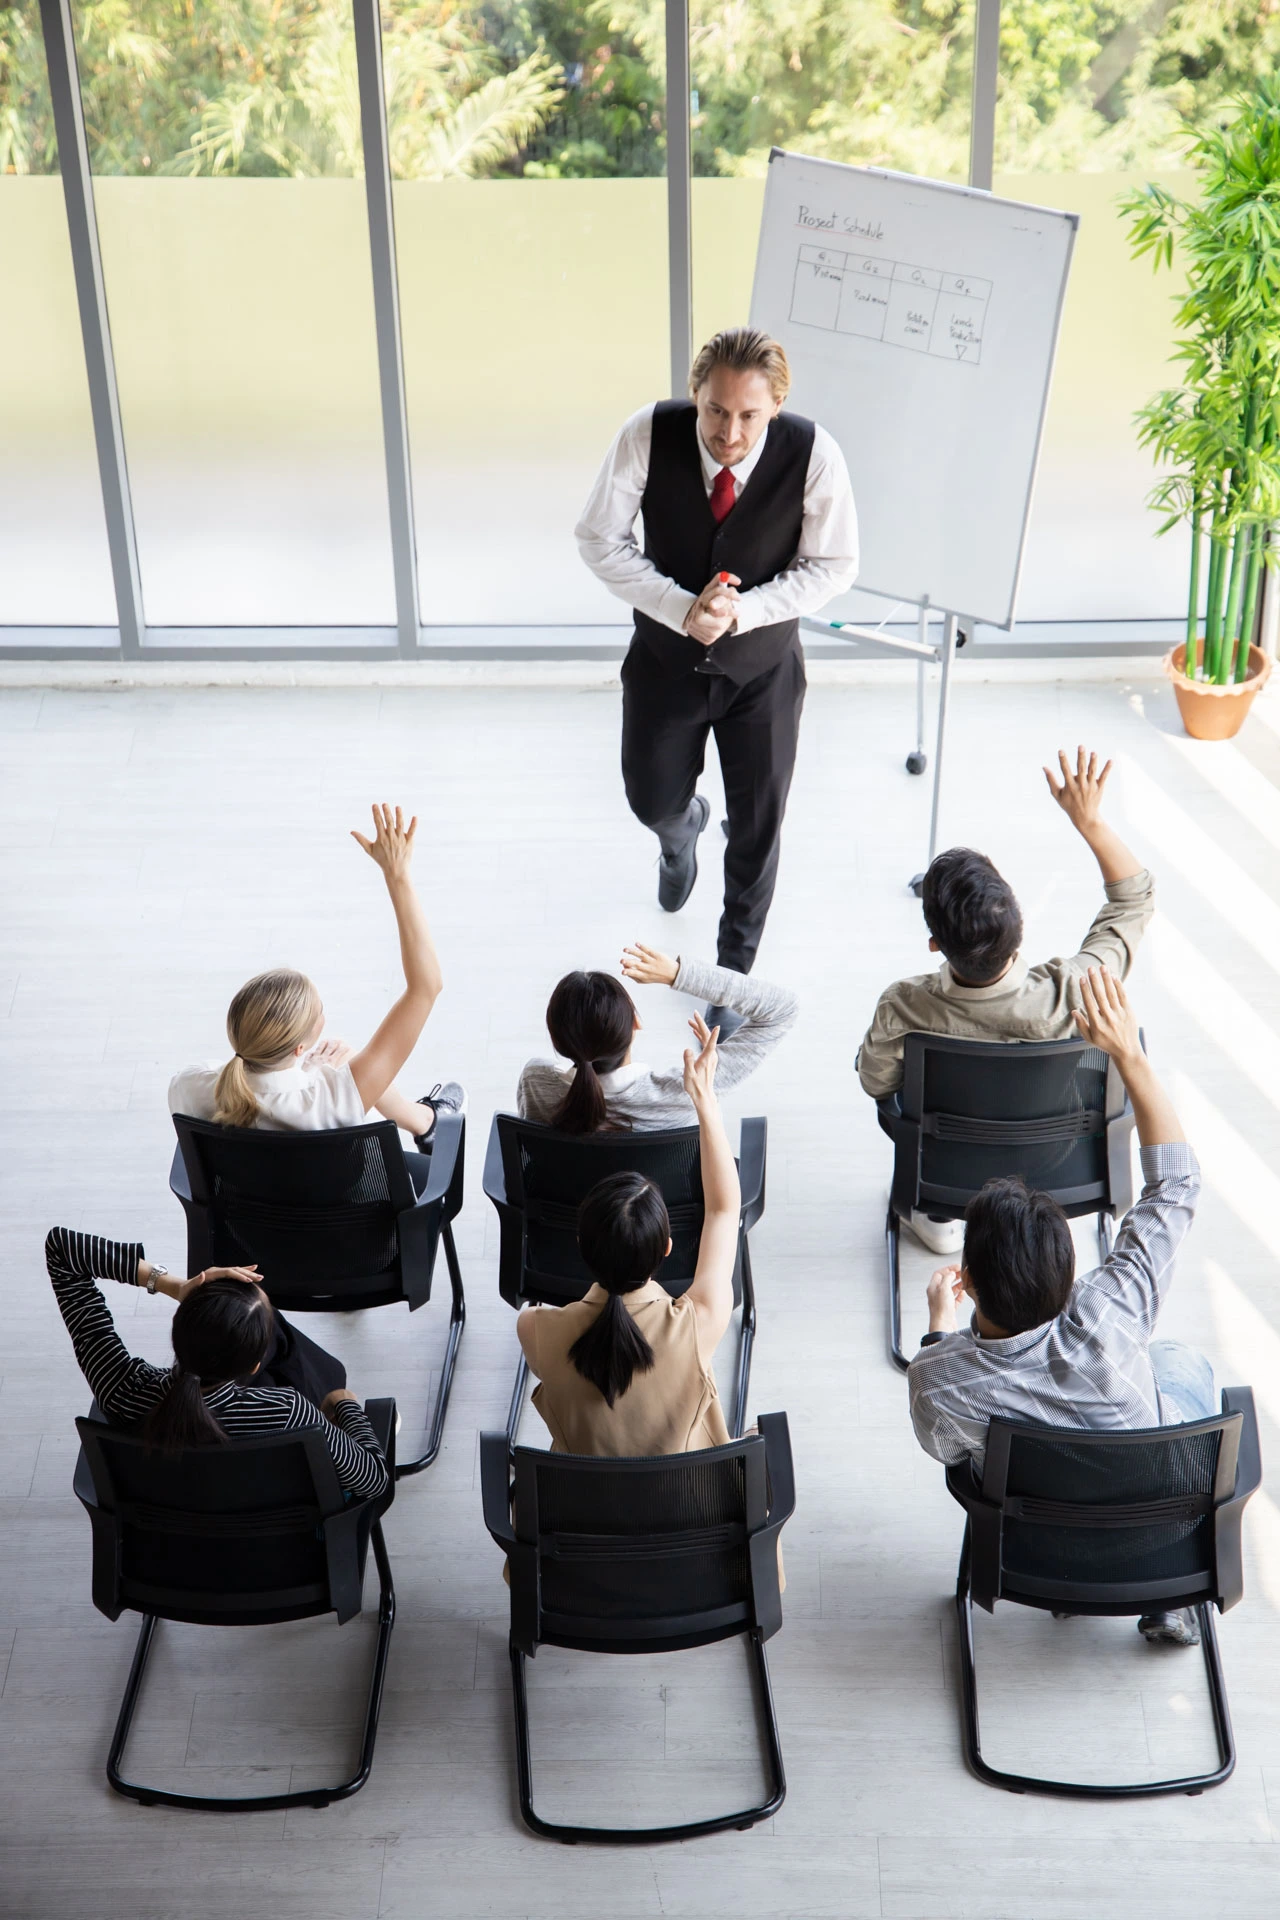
<point>1219,432</point>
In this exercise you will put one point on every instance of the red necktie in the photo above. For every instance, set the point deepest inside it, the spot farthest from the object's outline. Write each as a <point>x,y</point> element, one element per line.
<point>722,494</point>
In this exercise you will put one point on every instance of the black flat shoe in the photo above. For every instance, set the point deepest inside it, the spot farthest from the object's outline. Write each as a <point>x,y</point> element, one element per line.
<point>676,876</point>
<point>725,1018</point>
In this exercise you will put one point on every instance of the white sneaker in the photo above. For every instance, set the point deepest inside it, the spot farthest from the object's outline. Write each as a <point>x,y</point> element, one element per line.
<point>939,1236</point>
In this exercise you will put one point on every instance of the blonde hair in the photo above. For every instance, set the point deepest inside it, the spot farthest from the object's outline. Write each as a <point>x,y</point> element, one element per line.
<point>266,1020</point>
<point>743,350</point>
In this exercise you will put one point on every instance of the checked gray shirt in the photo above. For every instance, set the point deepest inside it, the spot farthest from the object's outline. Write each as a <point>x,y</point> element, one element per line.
<point>1089,1367</point>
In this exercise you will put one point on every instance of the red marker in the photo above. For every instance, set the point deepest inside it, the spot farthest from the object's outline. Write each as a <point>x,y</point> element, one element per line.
<point>724,579</point>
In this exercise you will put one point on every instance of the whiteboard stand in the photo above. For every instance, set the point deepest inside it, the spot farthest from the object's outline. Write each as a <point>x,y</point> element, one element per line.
<point>924,651</point>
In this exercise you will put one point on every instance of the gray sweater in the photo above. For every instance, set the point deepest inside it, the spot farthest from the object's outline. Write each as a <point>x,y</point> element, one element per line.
<point>647,1098</point>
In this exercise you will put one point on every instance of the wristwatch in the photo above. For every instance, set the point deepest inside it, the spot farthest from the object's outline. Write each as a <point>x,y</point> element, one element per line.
<point>157,1272</point>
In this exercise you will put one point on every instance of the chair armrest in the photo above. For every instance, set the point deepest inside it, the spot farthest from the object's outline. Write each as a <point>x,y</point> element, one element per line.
<point>179,1184</point>
<point>753,1144</point>
<point>494,1179</point>
<point>495,1488</point>
<point>447,1136</point>
<point>1249,1460</point>
<point>889,1113</point>
<point>776,1434</point>
<point>381,1415</point>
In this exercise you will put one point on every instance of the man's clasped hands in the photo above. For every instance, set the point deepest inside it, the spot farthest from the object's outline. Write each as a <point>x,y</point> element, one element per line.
<point>715,610</point>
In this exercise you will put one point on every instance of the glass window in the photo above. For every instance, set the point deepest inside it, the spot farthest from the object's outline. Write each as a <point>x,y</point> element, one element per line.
<point>225,142</point>
<point>1095,98</point>
<point>528,146</point>
<point>54,567</point>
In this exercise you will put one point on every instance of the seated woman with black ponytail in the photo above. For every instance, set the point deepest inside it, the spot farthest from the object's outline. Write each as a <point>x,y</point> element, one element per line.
<point>230,1369</point>
<point>592,1021</point>
<point>627,1370</point>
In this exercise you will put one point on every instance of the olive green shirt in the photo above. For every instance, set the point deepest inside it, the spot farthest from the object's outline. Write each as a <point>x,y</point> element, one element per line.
<point>1028,1003</point>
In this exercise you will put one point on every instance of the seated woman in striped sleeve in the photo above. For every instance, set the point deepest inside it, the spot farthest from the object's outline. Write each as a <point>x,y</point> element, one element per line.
<point>220,1386</point>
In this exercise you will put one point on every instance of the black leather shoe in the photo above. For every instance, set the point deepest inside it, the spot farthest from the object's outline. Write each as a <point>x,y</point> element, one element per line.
<point>676,876</point>
<point>725,1018</point>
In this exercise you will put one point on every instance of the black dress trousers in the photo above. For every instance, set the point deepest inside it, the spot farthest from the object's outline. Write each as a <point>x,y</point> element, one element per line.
<point>666,718</point>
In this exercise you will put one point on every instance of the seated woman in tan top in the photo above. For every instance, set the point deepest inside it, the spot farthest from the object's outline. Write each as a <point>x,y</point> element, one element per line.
<point>627,1370</point>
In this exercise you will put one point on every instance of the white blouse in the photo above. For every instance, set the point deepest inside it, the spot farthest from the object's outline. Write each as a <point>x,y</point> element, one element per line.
<point>308,1097</point>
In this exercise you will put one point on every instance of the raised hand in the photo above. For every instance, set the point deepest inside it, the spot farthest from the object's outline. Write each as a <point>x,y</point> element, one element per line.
<point>1106,1019</point>
<point>700,1067</point>
<point>647,967</point>
<point>1081,790</point>
<point>392,843</point>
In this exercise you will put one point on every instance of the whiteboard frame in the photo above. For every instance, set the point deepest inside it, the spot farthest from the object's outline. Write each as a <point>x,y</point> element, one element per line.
<point>1072,220</point>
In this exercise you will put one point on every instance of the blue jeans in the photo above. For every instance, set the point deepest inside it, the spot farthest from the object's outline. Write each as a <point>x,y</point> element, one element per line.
<point>1185,1380</point>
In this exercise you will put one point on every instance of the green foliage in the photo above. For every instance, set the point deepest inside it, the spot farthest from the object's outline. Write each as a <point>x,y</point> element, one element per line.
<point>571,88</point>
<point>269,87</point>
<point>1219,431</point>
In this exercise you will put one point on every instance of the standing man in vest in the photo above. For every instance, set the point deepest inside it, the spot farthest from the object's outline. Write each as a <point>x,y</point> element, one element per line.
<point>748,522</point>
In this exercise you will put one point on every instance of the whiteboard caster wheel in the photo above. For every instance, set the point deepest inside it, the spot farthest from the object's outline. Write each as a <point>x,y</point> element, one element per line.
<point>917,762</point>
<point>917,884</point>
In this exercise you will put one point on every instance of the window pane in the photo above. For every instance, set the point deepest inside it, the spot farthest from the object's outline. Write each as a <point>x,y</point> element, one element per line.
<point>1095,99</point>
<point>531,231</point>
<point>54,567</point>
<point>225,140</point>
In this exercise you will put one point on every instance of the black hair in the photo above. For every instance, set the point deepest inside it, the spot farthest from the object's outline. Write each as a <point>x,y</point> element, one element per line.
<point>972,913</point>
<point>221,1331</point>
<point>623,1233</point>
<point>591,1018</point>
<point>1018,1254</point>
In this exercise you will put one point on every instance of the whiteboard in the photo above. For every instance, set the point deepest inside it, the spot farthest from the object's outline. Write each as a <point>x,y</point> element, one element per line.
<point>920,320</point>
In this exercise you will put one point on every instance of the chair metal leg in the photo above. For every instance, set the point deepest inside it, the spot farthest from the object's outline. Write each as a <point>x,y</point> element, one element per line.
<point>457,1321</point>
<point>518,1390</point>
<point>891,1227</point>
<point>1104,1238</point>
<point>262,1803</point>
<point>742,1385</point>
<point>1073,1790</point>
<point>642,1836</point>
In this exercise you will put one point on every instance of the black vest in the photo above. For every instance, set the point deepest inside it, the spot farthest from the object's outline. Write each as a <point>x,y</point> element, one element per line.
<point>757,539</point>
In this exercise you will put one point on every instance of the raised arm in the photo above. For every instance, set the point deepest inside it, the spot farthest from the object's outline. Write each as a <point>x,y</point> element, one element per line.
<point>1109,1022</point>
<point>124,1386</point>
<point>376,1065</point>
<point>712,1289</point>
<point>768,1011</point>
<point>1080,797</point>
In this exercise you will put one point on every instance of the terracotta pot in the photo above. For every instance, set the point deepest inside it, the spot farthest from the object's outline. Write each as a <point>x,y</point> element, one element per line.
<point>1216,713</point>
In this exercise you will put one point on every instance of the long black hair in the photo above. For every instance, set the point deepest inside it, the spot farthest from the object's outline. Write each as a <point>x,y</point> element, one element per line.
<point>623,1234</point>
<point>221,1331</point>
<point>591,1018</point>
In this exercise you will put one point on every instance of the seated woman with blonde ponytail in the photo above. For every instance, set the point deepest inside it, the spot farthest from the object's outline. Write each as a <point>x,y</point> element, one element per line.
<point>283,1076</point>
<point>627,1370</point>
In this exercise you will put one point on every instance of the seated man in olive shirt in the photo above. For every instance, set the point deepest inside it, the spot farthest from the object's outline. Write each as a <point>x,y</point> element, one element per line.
<point>984,989</point>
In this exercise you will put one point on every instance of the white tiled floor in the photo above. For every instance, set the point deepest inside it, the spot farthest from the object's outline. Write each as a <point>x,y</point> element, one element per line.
<point>159,847</point>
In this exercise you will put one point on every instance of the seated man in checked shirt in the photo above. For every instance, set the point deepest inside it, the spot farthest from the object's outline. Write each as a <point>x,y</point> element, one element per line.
<point>1042,1345</point>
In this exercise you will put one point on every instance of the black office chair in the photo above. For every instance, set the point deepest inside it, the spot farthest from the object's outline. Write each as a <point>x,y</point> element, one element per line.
<point>1108,1523</point>
<point>642,1556</point>
<point>331,1219</point>
<point>537,1178</point>
<point>1054,1111</point>
<point>246,1534</point>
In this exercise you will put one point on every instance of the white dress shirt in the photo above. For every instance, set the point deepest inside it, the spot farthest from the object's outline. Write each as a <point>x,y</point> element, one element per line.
<point>826,562</point>
<point>308,1097</point>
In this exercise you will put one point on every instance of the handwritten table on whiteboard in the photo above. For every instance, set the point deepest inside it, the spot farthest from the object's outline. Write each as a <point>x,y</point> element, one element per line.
<point>895,301</point>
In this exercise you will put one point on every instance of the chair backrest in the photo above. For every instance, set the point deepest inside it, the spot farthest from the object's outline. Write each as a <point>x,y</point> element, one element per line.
<point>632,1555</point>
<point>316,1211</point>
<point>1053,1111</point>
<point>548,1175</point>
<point>256,1529</point>
<point>1100,1516</point>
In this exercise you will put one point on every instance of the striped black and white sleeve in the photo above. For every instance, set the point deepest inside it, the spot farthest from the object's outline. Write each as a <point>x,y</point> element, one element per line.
<point>125,1387</point>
